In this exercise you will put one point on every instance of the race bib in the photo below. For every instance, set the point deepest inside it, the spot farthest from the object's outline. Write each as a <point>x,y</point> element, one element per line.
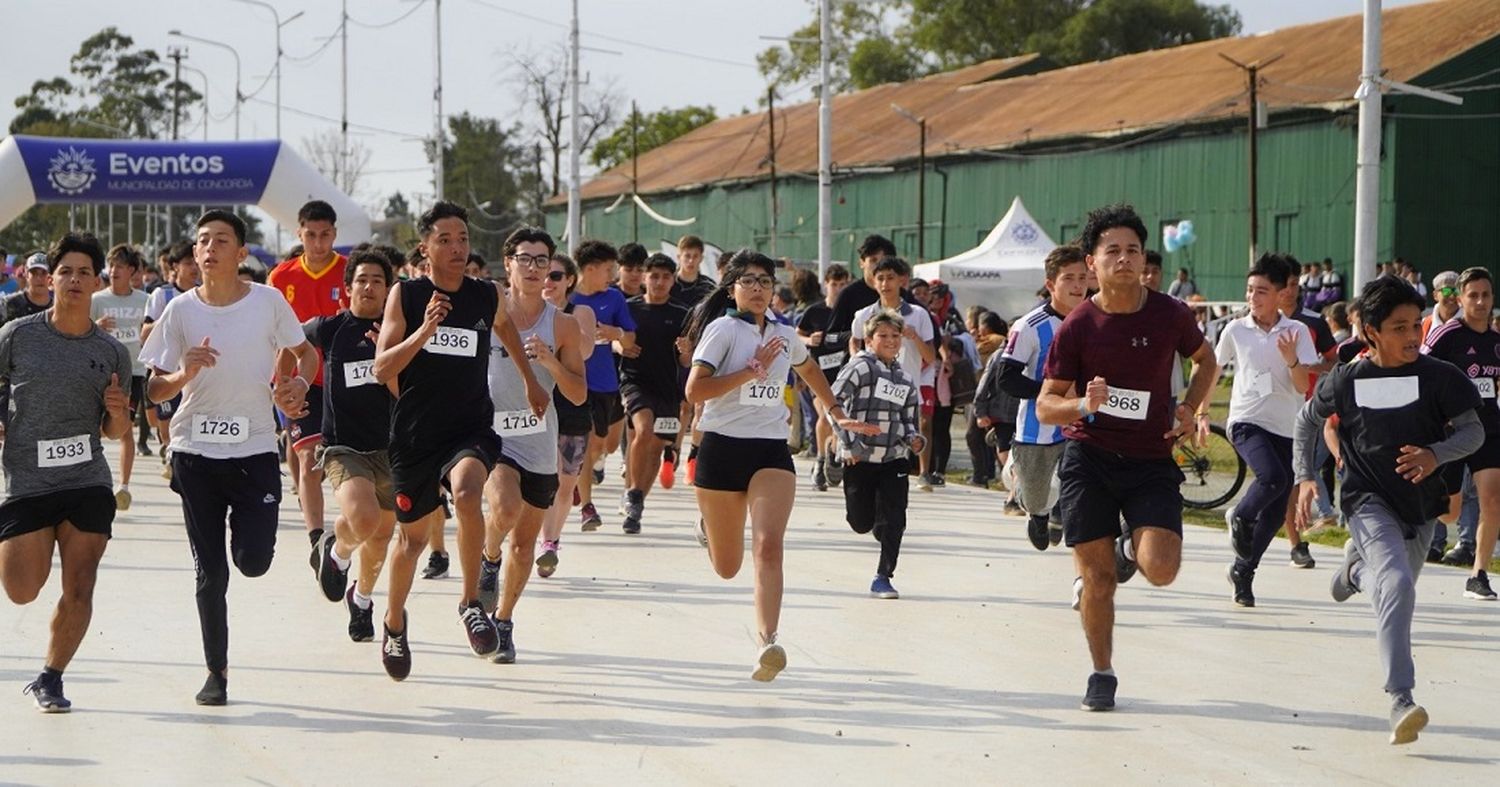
<point>1258,384</point>
<point>666,425</point>
<point>767,394</point>
<point>892,392</point>
<point>359,373</point>
<point>1385,393</point>
<point>63,451</point>
<point>459,342</point>
<point>1127,403</point>
<point>833,361</point>
<point>226,430</point>
<point>1486,387</point>
<point>128,334</point>
<point>517,423</point>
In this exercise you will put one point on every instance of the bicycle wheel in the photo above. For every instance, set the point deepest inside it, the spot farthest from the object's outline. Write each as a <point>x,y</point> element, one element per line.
<point>1212,474</point>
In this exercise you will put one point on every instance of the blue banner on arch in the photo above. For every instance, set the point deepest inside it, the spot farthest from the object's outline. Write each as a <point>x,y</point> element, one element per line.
<point>166,172</point>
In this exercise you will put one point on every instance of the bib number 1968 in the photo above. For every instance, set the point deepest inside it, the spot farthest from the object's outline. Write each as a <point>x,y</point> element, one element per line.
<point>63,451</point>
<point>220,429</point>
<point>1126,403</point>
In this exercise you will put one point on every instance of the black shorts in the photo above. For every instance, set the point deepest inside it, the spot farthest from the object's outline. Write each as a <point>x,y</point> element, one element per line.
<point>1486,458</point>
<point>638,399</point>
<point>606,409</point>
<point>726,464</point>
<point>164,410</point>
<point>1097,487</point>
<point>137,393</point>
<point>90,510</point>
<point>308,429</point>
<point>538,490</point>
<point>1005,434</point>
<point>420,478</point>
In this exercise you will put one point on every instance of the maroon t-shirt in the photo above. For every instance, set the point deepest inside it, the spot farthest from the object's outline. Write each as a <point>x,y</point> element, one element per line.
<point>1135,354</point>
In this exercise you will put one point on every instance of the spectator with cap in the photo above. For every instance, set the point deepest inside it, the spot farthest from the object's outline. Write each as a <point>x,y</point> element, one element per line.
<point>36,296</point>
<point>1444,300</point>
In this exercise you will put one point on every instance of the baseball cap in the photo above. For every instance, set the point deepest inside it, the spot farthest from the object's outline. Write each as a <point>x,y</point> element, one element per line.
<point>39,261</point>
<point>1445,279</point>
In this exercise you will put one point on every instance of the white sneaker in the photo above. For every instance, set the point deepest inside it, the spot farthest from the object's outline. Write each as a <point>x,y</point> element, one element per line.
<point>770,662</point>
<point>1077,593</point>
<point>702,536</point>
<point>122,498</point>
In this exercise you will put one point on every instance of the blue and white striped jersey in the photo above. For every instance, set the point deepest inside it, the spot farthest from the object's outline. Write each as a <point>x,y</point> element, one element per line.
<point>1030,339</point>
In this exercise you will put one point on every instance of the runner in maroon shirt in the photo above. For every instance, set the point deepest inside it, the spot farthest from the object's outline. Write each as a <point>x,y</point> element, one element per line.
<point>1117,349</point>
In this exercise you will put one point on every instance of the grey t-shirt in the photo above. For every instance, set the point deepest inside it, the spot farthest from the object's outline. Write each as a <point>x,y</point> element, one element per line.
<point>54,385</point>
<point>129,313</point>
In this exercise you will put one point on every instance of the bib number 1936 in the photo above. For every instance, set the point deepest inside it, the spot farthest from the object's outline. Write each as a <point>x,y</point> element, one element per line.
<point>460,342</point>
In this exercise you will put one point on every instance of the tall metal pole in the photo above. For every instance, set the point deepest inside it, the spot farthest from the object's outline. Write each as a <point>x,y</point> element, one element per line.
<point>1254,169</point>
<point>825,138</point>
<point>206,112</point>
<point>176,54</point>
<point>344,96</point>
<point>635,184</point>
<point>921,190</point>
<point>438,135</point>
<point>575,207</point>
<point>771,157</point>
<point>1367,164</point>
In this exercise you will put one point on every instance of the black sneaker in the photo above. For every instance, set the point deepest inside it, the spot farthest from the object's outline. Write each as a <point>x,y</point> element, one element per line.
<point>215,690</point>
<point>1241,535</point>
<point>819,479</point>
<point>1478,587</point>
<point>1301,557</point>
<point>1101,693</point>
<point>47,692</point>
<point>361,621</point>
<point>143,449</point>
<point>1036,530</point>
<point>489,584</point>
<point>1461,555</point>
<point>833,472</point>
<point>635,508</point>
<point>1124,566</point>
<point>483,639</point>
<point>1407,719</point>
<point>437,566</point>
<point>1435,553</point>
<point>505,631</point>
<point>1241,580</point>
<point>331,578</point>
<point>395,651</point>
<point>939,480</point>
<point>1054,533</point>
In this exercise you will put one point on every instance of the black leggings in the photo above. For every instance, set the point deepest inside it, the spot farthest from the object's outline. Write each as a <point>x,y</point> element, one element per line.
<point>245,493</point>
<point>981,454</point>
<point>942,438</point>
<point>867,484</point>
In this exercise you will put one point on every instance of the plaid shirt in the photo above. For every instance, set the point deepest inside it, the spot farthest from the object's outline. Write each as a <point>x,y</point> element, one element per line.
<point>881,394</point>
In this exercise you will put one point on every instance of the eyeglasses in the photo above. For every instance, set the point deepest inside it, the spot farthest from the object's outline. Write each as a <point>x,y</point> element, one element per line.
<point>528,261</point>
<point>556,275</point>
<point>1447,292</point>
<point>753,282</point>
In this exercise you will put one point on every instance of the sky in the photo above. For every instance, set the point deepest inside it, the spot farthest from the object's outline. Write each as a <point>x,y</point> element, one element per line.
<point>661,53</point>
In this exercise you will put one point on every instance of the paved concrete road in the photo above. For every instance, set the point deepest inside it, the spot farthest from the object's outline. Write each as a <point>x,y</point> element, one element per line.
<point>634,666</point>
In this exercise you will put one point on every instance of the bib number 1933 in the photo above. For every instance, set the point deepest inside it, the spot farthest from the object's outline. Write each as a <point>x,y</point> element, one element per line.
<point>63,452</point>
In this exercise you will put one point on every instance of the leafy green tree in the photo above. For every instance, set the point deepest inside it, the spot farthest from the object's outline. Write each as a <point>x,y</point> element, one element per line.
<point>959,33</point>
<point>488,171</point>
<point>1110,28</point>
<point>797,61</point>
<point>651,130</point>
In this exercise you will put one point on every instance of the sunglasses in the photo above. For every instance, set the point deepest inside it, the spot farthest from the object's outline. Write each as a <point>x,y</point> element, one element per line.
<point>556,275</point>
<point>1447,292</point>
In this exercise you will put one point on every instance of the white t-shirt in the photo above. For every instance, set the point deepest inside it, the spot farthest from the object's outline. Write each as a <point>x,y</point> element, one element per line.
<point>226,409</point>
<point>129,313</point>
<point>911,355</point>
<point>1263,394</point>
<point>756,409</point>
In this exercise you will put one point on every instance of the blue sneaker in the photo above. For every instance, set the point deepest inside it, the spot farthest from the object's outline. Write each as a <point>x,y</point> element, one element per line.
<point>882,588</point>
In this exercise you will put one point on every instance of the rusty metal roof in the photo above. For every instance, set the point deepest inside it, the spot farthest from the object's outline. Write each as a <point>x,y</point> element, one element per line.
<point>981,108</point>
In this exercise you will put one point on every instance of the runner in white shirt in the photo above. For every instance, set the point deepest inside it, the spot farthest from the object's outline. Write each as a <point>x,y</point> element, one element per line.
<point>120,311</point>
<point>917,350</point>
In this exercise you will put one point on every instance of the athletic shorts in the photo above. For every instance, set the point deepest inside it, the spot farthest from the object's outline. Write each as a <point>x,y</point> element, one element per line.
<point>666,410</point>
<point>570,450</point>
<point>1035,467</point>
<point>1097,487</point>
<point>341,464</point>
<point>308,429</point>
<point>1486,458</point>
<point>929,400</point>
<point>726,464</point>
<point>90,510</point>
<point>421,478</point>
<point>137,393</point>
<point>165,409</point>
<point>606,409</point>
<point>538,490</point>
<point>1005,435</point>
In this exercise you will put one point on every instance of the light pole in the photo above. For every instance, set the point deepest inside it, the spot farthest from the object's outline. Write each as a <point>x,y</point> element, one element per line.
<point>575,206</point>
<point>921,178</point>
<point>239,96</point>
<point>275,17</point>
<point>205,98</point>
<point>825,139</point>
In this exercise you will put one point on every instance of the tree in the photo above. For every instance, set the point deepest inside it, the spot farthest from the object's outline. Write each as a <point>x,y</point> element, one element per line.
<point>543,92</point>
<point>650,130</point>
<point>962,32</point>
<point>488,171</point>
<point>325,151</point>
<point>1110,28</point>
<point>396,207</point>
<point>798,60</point>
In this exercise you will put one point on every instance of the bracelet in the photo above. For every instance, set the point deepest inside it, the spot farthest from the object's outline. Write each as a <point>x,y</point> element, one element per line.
<point>756,368</point>
<point>1083,408</point>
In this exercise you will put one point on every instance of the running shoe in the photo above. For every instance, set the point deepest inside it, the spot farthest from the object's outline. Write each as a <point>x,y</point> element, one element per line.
<point>1241,535</point>
<point>1342,586</point>
<point>668,475</point>
<point>122,498</point>
<point>483,639</point>
<point>166,469</point>
<point>769,662</point>
<point>635,508</point>
<point>1125,566</point>
<point>1012,508</point>
<point>599,471</point>
<point>589,517</point>
<point>215,690</point>
<point>882,588</point>
<point>331,578</point>
<point>833,472</point>
<point>1323,523</point>
<point>1077,593</point>
<point>1054,532</point>
<point>701,534</point>
<point>489,583</point>
<point>143,449</point>
<point>505,630</point>
<point>1036,530</point>
<point>1301,557</point>
<point>924,483</point>
<point>1407,719</point>
<point>546,563</point>
<point>47,692</point>
<point>1461,555</point>
<point>1241,580</point>
<point>395,651</point>
<point>1478,587</point>
<point>1101,692</point>
<point>819,479</point>
<point>437,566</point>
<point>1435,552</point>
<point>361,619</point>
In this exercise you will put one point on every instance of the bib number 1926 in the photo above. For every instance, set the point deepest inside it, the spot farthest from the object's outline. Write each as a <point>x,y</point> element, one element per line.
<point>220,429</point>
<point>63,451</point>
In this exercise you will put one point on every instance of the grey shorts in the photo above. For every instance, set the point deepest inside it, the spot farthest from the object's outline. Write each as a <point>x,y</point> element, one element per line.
<point>1036,470</point>
<point>570,449</point>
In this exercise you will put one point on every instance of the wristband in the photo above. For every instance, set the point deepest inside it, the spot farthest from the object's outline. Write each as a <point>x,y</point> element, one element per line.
<point>1083,408</point>
<point>757,368</point>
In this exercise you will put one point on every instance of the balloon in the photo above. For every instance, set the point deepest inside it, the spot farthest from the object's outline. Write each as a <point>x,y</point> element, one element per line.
<point>1172,243</point>
<point>1170,232</point>
<point>1185,234</point>
<point>1186,225</point>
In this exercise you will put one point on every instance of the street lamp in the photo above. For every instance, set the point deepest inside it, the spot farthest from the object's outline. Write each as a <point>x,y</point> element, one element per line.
<point>921,177</point>
<point>275,17</point>
<point>206,113</point>
<point>239,97</point>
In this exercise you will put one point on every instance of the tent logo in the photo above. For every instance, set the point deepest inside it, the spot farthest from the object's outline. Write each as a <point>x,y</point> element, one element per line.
<point>71,171</point>
<point>1025,232</point>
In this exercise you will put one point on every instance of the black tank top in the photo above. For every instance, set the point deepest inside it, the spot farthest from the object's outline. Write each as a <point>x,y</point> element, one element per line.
<point>572,419</point>
<point>445,392</point>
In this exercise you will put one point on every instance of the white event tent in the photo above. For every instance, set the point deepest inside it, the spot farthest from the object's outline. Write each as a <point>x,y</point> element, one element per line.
<point>1002,273</point>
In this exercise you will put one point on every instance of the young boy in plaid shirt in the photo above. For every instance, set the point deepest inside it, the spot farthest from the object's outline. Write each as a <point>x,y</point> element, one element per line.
<point>872,388</point>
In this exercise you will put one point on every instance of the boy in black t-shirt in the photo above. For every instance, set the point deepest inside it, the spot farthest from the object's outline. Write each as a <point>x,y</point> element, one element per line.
<point>1394,410</point>
<point>650,382</point>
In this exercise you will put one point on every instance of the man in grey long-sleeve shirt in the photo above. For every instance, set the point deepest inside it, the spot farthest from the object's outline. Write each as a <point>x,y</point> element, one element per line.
<point>1394,411</point>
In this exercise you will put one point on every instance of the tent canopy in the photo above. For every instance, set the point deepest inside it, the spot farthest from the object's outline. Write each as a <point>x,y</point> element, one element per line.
<point>266,173</point>
<point>1002,273</point>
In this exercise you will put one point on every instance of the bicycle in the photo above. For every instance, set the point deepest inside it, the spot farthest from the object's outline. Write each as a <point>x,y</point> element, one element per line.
<point>1213,474</point>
